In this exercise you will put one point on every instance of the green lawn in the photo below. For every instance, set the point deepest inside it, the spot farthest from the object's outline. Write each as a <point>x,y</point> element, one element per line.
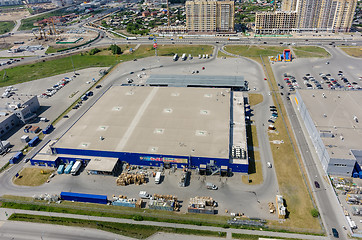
<point>353,51</point>
<point>114,211</point>
<point>310,51</point>
<point>289,174</point>
<point>49,68</point>
<point>254,51</point>
<point>125,229</point>
<point>170,50</point>
<point>6,26</point>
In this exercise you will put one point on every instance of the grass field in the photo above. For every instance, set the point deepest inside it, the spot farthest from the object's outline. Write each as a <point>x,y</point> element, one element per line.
<point>310,52</point>
<point>49,68</point>
<point>129,230</point>
<point>170,50</point>
<point>6,26</point>
<point>255,98</point>
<point>113,211</point>
<point>353,51</point>
<point>256,237</point>
<point>289,174</point>
<point>33,176</point>
<point>221,54</point>
<point>254,51</point>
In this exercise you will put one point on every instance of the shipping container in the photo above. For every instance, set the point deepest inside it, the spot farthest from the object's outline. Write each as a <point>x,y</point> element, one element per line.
<point>33,142</point>
<point>124,203</point>
<point>202,210</point>
<point>27,128</point>
<point>16,158</point>
<point>48,129</point>
<point>24,139</point>
<point>83,197</point>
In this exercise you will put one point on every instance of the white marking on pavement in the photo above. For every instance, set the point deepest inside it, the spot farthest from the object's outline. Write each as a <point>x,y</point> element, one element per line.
<point>136,119</point>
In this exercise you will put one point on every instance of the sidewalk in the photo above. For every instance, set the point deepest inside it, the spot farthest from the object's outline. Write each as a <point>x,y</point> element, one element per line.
<point>5,213</point>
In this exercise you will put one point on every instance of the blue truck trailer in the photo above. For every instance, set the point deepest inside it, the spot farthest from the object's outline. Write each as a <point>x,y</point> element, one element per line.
<point>69,167</point>
<point>83,197</point>
<point>60,169</point>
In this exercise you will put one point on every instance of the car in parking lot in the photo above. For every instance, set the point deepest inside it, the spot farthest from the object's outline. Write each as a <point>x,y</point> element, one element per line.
<point>335,233</point>
<point>131,73</point>
<point>316,184</point>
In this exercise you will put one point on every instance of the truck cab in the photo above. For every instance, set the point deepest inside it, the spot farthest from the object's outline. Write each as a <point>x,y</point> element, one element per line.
<point>211,186</point>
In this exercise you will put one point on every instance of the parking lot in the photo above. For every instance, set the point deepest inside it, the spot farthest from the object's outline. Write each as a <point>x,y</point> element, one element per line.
<point>50,107</point>
<point>336,73</point>
<point>247,199</point>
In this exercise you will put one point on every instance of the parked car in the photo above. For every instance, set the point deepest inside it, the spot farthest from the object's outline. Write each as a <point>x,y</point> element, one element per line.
<point>335,233</point>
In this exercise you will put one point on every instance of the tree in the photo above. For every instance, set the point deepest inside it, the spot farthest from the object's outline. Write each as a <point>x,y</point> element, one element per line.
<point>94,51</point>
<point>115,49</point>
<point>314,213</point>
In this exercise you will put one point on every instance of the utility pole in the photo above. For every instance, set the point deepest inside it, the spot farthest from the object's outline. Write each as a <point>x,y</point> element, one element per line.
<point>71,59</point>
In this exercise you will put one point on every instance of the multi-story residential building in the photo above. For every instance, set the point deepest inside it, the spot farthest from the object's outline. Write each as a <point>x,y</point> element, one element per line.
<point>275,22</point>
<point>209,16</point>
<point>154,3</point>
<point>10,2</point>
<point>322,15</point>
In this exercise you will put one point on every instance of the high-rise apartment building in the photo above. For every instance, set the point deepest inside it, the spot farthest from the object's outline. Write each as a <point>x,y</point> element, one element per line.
<point>209,16</point>
<point>322,15</point>
<point>275,22</point>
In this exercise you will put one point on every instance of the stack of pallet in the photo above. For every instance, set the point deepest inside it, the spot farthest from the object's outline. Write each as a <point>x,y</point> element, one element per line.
<point>139,203</point>
<point>271,207</point>
<point>129,178</point>
<point>166,197</point>
<point>201,202</point>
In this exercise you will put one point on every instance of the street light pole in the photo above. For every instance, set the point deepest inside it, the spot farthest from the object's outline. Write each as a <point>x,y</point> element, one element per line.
<point>71,59</point>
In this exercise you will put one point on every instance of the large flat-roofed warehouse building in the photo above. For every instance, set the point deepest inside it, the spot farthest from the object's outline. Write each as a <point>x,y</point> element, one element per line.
<point>163,126</point>
<point>333,120</point>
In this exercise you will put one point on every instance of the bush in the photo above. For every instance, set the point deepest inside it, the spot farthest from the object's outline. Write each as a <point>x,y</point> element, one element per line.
<point>314,212</point>
<point>94,51</point>
<point>138,218</point>
<point>115,49</point>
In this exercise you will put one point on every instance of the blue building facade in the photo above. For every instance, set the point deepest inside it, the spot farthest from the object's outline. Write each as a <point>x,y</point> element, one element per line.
<point>156,160</point>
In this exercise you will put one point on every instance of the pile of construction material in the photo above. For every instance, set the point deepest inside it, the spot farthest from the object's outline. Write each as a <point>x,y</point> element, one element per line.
<point>47,197</point>
<point>271,207</point>
<point>202,205</point>
<point>129,178</point>
<point>354,199</point>
<point>282,210</point>
<point>164,202</point>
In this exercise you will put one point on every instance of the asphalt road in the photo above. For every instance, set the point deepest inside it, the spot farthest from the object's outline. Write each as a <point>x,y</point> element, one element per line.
<point>330,209</point>
<point>35,231</point>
